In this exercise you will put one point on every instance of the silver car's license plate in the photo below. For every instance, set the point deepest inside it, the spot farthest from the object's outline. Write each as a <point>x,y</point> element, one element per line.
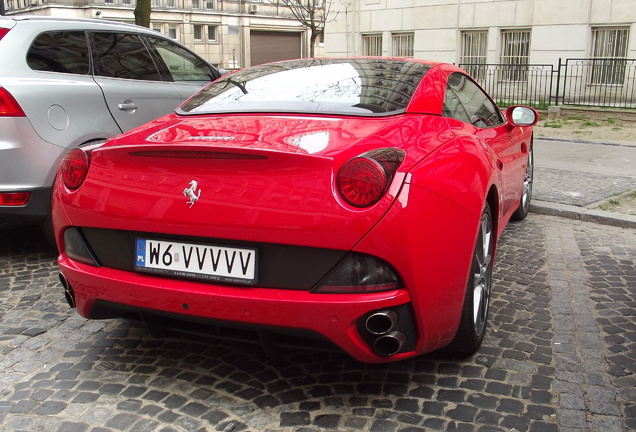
<point>214,263</point>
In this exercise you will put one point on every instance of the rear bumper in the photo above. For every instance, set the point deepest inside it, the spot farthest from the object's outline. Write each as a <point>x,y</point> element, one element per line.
<point>335,317</point>
<point>35,210</point>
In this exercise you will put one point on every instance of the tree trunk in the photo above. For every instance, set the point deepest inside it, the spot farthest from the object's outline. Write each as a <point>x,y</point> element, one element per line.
<point>142,13</point>
<point>312,42</point>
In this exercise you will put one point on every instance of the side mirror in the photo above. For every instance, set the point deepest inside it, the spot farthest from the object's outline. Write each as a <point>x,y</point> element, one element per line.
<point>518,115</point>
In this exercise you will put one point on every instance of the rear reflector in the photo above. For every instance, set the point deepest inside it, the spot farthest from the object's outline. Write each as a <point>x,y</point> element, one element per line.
<point>359,273</point>
<point>14,198</point>
<point>8,105</point>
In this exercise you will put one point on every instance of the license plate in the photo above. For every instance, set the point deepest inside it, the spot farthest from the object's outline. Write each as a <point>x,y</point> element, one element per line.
<point>213,263</point>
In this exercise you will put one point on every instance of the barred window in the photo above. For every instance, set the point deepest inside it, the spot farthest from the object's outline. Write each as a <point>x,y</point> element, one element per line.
<point>372,45</point>
<point>403,44</point>
<point>473,54</point>
<point>608,51</point>
<point>198,32</point>
<point>515,55</point>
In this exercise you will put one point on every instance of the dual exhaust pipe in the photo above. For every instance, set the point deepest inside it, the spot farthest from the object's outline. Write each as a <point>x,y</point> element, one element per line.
<point>387,341</point>
<point>68,291</point>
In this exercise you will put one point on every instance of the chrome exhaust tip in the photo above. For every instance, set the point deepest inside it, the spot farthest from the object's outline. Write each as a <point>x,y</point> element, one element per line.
<point>68,291</point>
<point>389,344</point>
<point>381,323</point>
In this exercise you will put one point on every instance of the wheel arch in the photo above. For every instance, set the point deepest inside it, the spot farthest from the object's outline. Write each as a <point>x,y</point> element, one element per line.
<point>492,198</point>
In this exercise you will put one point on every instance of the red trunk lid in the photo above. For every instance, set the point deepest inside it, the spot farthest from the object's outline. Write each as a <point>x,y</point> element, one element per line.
<point>271,182</point>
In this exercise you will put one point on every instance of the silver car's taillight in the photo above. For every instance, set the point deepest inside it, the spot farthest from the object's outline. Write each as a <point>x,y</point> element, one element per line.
<point>9,107</point>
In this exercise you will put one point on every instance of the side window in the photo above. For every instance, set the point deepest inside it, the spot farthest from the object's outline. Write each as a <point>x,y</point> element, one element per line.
<point>453,108</point>
<point>478,109</point>
<point>120,55</point>
<point>182,65</point>
<point>60,51</point>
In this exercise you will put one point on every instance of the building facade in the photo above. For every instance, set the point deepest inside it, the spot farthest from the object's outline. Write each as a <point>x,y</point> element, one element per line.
<point>484,31</point>
<point>228,33</point>
<point>539,52</point>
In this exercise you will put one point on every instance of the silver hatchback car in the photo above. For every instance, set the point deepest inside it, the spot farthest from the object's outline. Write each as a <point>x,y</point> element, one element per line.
<point>65,83</point>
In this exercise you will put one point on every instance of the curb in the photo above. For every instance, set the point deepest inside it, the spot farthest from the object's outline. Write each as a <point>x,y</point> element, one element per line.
<point>583,214</point>
<point>580,141</point>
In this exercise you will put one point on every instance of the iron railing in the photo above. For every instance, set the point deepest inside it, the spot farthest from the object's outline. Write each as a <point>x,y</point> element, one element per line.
<point>606,82</point>
<point>509,84</point>
<point>609,82</point>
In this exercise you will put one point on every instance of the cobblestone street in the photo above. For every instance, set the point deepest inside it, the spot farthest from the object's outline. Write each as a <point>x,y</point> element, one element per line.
<point>559,355</point>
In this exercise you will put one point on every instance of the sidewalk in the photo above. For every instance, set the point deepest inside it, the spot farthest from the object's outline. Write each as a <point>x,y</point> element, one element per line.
<point>572,177</point>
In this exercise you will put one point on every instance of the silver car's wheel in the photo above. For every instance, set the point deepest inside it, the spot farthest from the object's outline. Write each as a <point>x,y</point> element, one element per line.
<point>526,192</point>
<point>472,326</point>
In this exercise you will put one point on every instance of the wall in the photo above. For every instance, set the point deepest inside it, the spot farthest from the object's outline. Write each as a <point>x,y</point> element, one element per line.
<point>559,28</point>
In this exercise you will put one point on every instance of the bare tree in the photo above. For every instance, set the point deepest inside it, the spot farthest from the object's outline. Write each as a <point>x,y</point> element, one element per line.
<point>142,13</point>
<point>312,14</point>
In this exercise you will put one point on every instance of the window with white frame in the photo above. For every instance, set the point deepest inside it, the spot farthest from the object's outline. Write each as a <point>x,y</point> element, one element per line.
<point>157,27</point>
<point>209,4</point>
<point>154,3</point>
<point>197,30</point>
<point>609,48</point>
<point>515,55</point>
<point>402,44</point>
<point>172,32</point>
<point>372,44</point>
<point>473,53</point>
<point>195,4</point>
<point>213,33</point>
<point>126,2</point>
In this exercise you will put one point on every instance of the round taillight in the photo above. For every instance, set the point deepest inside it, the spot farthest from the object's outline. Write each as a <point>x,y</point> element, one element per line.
<point>74,168</point>
<point>361,182</point>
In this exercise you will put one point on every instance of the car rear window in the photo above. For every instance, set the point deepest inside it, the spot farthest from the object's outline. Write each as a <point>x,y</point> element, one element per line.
<point>367,87</point>
<point>60,51</point>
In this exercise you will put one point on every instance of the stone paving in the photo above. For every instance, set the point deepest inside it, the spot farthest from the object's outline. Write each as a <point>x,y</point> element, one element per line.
<point>559,355</point>
<point>573,188</point>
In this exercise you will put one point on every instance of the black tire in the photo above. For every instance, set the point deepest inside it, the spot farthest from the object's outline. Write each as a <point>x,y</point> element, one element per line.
<point>47,230</point>
<point>472,326</point>
<point>526,193</point>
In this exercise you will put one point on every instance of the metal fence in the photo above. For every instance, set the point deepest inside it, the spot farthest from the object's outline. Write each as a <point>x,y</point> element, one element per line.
<point>608,82</point>
<point>509,84</point>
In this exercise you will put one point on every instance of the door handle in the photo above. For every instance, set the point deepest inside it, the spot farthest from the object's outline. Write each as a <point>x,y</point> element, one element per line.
<point>127,106</point>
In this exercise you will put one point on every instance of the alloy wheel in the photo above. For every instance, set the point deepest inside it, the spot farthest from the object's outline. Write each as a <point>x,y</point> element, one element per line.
<point>482,274</point>
<point>527,182</point>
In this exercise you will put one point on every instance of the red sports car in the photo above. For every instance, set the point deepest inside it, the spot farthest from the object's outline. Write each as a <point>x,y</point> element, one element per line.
<point>344,202</point>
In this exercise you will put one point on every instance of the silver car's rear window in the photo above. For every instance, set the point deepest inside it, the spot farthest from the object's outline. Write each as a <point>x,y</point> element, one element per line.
<point>339,86</point>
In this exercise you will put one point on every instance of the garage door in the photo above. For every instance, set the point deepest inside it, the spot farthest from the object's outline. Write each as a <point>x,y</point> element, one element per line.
<point>268,46</point>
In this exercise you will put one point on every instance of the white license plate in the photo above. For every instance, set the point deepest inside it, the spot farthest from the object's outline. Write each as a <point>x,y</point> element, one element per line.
<point>214,263</point>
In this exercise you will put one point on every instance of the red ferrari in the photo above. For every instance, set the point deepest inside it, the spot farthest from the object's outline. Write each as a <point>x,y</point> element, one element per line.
<point>353,203</point>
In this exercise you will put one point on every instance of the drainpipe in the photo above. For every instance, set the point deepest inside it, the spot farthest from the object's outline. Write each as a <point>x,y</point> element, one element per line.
<point>346,6</point>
